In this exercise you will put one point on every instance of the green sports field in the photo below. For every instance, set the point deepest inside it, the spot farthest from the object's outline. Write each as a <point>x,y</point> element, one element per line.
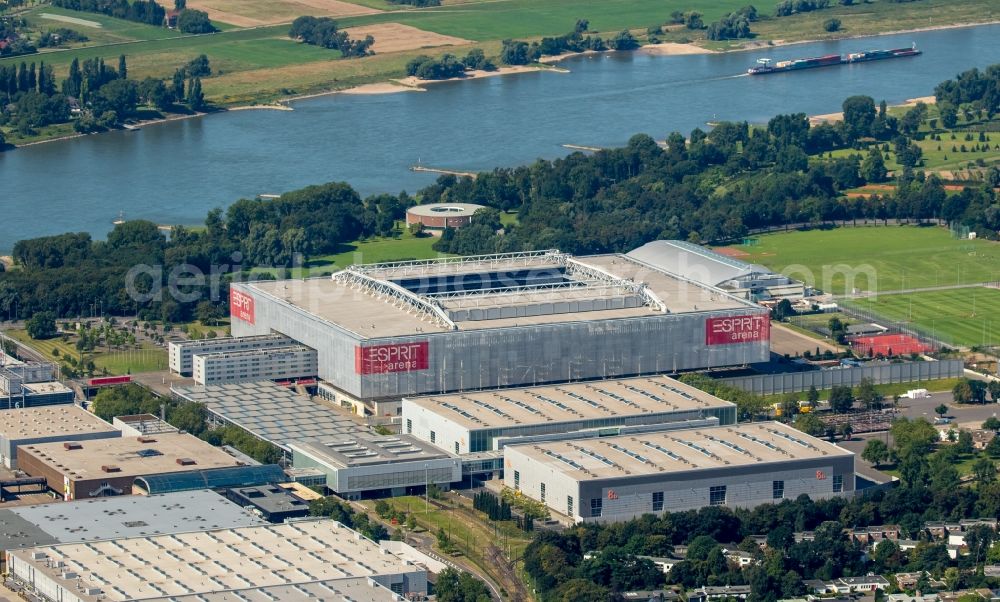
<point>962,317</point>
<point>880,258</point>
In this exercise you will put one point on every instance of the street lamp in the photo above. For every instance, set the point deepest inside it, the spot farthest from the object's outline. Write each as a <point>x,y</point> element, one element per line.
<point>427,486</point>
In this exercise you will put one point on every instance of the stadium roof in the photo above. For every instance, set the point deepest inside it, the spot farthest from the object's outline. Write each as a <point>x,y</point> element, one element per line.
<point>50,421</point>
<point>694,262</point>
<point>104,518</point>
<point>271,412</point>
<point>492,291</point>
<point>164,566</point>
<point>236,476</point>
<point>569,402</point>
<point>678,451</point>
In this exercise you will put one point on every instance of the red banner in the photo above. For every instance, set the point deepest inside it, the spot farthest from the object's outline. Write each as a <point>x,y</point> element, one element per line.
<point>403,357</point>
<point>102,381</point>
<point>241,306</point>
<point>737,329</point>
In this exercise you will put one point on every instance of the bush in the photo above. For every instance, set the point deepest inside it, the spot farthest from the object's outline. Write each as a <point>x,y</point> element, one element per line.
<point>831,25</point>
<point>194,21</point>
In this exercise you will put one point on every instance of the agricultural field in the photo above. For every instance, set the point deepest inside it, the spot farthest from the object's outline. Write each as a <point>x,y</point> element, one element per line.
<point>100,29</point>
<point>891,258</point>
<point>964,317</point>
<point>252,13</point>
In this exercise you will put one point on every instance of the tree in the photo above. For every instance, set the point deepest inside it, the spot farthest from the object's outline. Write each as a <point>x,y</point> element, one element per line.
<point>994,390</point>
<point>873,167</point>
<point>868,395</point>
<point>623,41</point>
<point>180,4</point>
<point>984,471</point>
<point>194,21</point>
<point>208,313</point>
<point>812,396</point>
<point>859,116</point>
<point>456,586</point>
<point>783,310</point>
<point>195,97</point>
<point>876,452</point>
<point>42,325</point>
<point>837,329</point>
<point>122,67</point>
<point>831,25</point>
<point>789,405</point>
<point>845,431</point>
<point>962,391</point>
<point>841,399</point>
<point>941,410</point>
<point>810,424</point>
<point>992,423</point>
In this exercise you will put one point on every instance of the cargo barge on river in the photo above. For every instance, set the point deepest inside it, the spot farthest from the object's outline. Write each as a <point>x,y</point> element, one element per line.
<point>764,66</point>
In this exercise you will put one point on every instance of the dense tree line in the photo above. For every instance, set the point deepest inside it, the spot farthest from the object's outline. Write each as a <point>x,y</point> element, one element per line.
<point>140,11</point>
<point>418,3</point>
<point>733,26</point>
<point>790,7</point>
<point>981,89</point>
<point>69,273</point>
<point>322,31</point>
<point>516,52</point>
<point>458,586</point>
<point>448,65</point>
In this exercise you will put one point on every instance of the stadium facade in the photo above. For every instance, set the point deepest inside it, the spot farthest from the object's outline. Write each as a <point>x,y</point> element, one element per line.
<point>421,327</point>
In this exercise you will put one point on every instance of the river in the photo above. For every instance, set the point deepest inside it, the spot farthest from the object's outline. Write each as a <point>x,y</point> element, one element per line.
<point>175,172</point>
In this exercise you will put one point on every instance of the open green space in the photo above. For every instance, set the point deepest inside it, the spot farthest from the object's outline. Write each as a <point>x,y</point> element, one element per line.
<point>878,258</point>
<point>111,30</point>
<point>145,358</point>
<point>964,317</point>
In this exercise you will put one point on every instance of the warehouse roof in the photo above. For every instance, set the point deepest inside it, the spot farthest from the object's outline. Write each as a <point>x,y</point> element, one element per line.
<point>164,566</point>
<point>694,261</point>
<point>360,589</point>
<point>271,412</point>
<point>514,289</point>
<point>114,517</point>
<point>215,478</point>
<point>50,421</point>
<point>569,402</point>
<point>678,451</point>
<point>130,456</point>
<point>365,451</point>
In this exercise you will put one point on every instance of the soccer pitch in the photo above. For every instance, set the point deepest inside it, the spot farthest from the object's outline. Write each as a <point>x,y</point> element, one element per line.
<point>964,317</point>
<point>877,258</point>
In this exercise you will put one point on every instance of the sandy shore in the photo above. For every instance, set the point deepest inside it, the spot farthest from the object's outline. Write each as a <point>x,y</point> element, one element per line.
<point>276,107</point>
<point>381,88</point>
<point>674,49</point>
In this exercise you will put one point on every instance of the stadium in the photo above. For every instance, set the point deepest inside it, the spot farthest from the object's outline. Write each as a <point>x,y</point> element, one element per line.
<point>389,330</point>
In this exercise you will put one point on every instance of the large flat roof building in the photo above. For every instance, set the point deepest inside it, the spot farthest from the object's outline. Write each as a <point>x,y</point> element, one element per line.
<point>358,589</point>
<point>391,465</point>
<point>105,518</point>
<point>66,422</point>
<point>275,363</point>
<point>270,412</point>
<point>407,328</point>
<point>103,467</point>
<point>481,420</point>
<point>180,354</point>
<point>161,567</point>
<point>618,478</point>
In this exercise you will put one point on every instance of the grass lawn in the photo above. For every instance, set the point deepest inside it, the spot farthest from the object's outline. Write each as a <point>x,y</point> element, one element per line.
<point>111,30</point>
<point>377,250</point>
<point>877,258</point>
<point>147,358</point>
<point>963,317</point>
<point>873,18</point>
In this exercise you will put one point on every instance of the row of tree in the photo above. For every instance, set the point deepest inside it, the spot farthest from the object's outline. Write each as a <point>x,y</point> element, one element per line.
<point>140,11</point>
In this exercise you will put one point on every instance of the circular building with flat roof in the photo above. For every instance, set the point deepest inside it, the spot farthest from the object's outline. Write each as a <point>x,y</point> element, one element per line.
<point>442,215</point>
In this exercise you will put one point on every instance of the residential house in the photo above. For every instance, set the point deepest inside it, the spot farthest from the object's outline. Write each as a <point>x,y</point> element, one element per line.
<point>721,592</point>
<point>871,536</point>
<point>660,595</point>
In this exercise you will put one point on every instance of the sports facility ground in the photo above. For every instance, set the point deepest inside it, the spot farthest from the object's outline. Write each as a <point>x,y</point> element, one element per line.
<point>888,345</point>
<point>876,258</point>
<point>964,317</point>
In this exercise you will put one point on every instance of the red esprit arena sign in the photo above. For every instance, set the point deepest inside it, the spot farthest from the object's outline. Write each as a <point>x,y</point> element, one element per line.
<point>402,357</point>
<point>241,306</point>
<point>737,329</point>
